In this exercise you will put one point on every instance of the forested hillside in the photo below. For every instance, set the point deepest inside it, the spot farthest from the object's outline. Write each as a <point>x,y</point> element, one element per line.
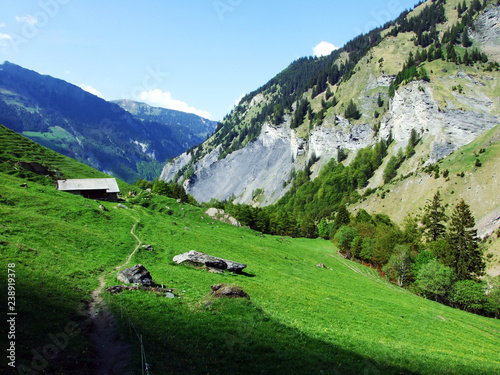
<point>346,100</point>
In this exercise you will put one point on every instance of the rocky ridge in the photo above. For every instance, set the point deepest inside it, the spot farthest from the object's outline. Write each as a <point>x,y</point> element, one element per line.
<point>446,118</point>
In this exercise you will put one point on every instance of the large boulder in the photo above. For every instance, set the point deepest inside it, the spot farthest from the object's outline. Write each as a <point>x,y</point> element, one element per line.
<point>228,291</point>
<point>137,274</point>
<point>201,260</point>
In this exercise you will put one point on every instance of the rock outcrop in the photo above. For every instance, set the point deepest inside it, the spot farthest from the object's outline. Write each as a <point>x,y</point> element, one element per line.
<point>414,107</point>
<point>137,274</point>
<point>267,161</point>
<point>198,259</point>
<point>228,291</point>
<point>221,216</point>
<point>487,31</point>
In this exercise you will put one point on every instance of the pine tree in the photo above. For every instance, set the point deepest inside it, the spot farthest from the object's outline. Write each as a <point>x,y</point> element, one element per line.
<point>466,59</point>
<point>468,262</point>
<point>434,219</point>
<point>451,55</point>
<point>328,94</point>
<point>343,217</point>
<point>466,39</point>
<point>380,101</point>
<point>277,117</point>
<point>352,111</point>
<point>413,138</point>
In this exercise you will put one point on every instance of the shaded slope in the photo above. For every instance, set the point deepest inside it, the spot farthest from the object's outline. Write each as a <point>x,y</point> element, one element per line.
<point>187,129</point>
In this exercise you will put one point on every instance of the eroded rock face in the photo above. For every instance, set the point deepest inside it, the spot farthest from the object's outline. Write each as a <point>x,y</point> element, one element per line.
<point>228,291</point>
<point>221,216</point>
<point>487,31</point>
<point>137,274</point>
<point>414,107</point>
<point>198,259</point>
<point>267,161</point>
<point>170,169</point>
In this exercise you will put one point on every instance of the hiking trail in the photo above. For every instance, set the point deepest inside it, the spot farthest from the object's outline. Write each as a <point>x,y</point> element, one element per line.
<point>112,352</point>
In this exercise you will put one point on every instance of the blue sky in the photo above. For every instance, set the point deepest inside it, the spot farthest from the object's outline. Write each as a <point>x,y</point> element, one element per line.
<point>198,56</point>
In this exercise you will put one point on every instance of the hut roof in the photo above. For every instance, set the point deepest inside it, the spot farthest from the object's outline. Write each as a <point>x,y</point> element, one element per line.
<point>108,184</point>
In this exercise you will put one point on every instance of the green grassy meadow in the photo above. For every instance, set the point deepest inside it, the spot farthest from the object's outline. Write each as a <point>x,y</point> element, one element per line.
<point>300,319</point>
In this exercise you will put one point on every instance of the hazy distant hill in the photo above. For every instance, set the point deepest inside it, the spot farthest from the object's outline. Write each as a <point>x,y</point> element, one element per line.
<point>69,120</point>
<point>188,129</point>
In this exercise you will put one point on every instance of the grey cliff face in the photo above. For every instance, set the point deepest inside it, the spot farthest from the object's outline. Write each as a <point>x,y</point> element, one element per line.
<point>266,162</point>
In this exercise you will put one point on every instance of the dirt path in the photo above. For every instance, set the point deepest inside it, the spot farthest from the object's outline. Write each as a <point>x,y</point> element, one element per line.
<point>112,353</point>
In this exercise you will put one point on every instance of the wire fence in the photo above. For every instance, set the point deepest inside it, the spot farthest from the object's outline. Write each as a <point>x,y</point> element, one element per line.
<point>145,366</point>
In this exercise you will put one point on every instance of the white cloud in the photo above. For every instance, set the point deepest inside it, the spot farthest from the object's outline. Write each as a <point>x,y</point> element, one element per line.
<point>162,99</point>
<point>27,19</point>
<point>91,90</point>
<point>324,49</point>
<point>2,24</point>
<point>5,37</point>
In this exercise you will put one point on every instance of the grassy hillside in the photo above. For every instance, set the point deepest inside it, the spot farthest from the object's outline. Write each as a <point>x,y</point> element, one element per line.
<point>300,318</point>
<point>16,149</point>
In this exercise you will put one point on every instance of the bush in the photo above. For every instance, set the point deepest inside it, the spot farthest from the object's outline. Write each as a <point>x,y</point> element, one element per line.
<point>469,295</point>
<point>344,237</point>
<point>421,260</point>
<point>435,280</point>
<point>352,111</point>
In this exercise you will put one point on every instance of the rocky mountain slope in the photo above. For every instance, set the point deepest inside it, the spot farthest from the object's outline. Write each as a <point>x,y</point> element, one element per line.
<point>101,134</point>
<point>450,107</point>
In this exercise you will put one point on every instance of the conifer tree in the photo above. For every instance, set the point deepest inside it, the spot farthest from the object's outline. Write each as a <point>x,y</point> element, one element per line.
<point>434,219</point>
<point>380,101</point>
<point>352,111</point>
<point>466,39</point>
<point>451,55</point>
<point>343,217</point>
<point>468,263</point>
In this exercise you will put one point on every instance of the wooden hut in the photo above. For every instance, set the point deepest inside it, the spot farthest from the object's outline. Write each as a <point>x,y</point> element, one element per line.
<point>93,188</point>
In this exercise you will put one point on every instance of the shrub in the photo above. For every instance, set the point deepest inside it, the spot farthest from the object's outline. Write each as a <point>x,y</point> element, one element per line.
<point>421,260</point>
<point>344,237</point>
<point>469,295</point>
<point>435,280</point>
